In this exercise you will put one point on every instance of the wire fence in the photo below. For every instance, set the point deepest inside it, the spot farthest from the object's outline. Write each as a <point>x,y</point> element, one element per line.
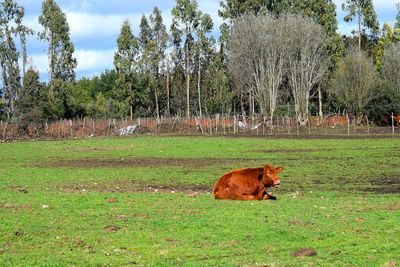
<point>212,125</point>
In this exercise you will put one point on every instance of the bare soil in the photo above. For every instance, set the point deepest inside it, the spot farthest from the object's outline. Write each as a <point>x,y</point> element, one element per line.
<point>385,184</point>
<point>144,162</point>
<point>130,186</point>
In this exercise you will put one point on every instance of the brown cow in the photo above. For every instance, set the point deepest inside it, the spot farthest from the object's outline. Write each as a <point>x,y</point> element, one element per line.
<point>396,119</point>
<point>247,184</point>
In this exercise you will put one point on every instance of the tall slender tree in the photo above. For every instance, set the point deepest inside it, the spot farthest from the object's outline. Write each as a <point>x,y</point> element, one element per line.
<point>203,47</point>
<point>11,15</point>
<point>125,63</point>
<point>158,58</point>
<point>57,33</point>
<point>185,13</point>
<point>62,63</point>
<point>364,12</point>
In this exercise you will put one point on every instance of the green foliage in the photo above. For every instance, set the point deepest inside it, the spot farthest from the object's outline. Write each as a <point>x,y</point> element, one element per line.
<point>125,63</point>
<point>56,31</point>
<point>385,103</point>
<point>11,15</point>
<point>390,35</point>
<point>355,82</point>
<point>32,105</point>
<point>362,9</point>
<point>185,18</point>
<point>3,110</point>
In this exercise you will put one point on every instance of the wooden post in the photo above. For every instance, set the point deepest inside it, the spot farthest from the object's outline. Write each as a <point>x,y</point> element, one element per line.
<point>70,128</point>
<point>288,124</point>
<point>367,125</point>
<point>392,123</point>
<point>348,124</point>
<point>234,124</point>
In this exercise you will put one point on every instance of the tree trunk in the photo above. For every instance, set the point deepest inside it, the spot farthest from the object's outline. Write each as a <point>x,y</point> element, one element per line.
<point>359,30</point>
<point>187,74</point>
<point>168,92</point>
<point>131,112</point>
<point>198,87</point>
<point>320,113</point>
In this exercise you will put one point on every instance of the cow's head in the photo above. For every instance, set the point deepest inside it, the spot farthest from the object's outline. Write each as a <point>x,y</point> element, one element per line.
<point>270,177</point>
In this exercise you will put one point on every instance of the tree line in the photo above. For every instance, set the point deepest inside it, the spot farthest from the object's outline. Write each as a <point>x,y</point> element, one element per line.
<point>270,58</point>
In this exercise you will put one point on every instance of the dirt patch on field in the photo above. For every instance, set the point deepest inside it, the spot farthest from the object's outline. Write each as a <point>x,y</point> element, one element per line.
<point>385,184</point>
<point>15,206</point>
<point>95,149</point>
<point>145,162</point>
<point>287,150</point>
<point>127,186</point>
<point>373,135</point>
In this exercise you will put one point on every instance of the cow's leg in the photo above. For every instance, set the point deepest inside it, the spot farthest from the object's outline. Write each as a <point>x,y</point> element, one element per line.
<point>247,197</point>
<point>268,196</point>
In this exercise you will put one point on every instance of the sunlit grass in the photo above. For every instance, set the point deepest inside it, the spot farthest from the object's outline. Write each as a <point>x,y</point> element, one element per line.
<point>55,212</point>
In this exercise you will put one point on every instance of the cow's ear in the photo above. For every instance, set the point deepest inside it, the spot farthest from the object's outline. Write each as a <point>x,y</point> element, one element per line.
<point>268,168</point>
<point>279,169</point>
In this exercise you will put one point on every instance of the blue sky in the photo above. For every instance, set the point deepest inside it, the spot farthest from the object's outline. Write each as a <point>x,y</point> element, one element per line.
<point>95,25</point>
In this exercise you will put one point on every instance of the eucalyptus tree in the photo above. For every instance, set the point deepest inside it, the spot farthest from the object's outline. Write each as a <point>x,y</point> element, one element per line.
<point>11,16</point>
<point>365,13</point>
<point>56,32</point>
<point>125,63</point>
<point>175,71</point>
<point>185,18</point>
<point>62,63</point>
<point>153,39</point>
<point>204,47</point>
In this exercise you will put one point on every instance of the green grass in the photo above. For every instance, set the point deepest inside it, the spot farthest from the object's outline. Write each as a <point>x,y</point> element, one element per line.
<point>342,209</point>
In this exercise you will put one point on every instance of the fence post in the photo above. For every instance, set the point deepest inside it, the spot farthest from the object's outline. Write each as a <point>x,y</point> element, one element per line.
<point>392,123</point>
<point>70,128</point>
<point>234,124</point>
<point>348,124</point>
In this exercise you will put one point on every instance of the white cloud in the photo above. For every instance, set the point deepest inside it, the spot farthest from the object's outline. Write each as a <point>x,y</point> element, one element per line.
<point>85,25</point>
<point>89,60</point>
<point>39,62</point>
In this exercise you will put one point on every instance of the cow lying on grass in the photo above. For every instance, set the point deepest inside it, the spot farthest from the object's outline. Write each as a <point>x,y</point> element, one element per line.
<point>247,184</point>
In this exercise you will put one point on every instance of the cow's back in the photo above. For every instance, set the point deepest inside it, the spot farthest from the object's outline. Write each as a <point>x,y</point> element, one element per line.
<point>221,188</point>
<point>233,183</point>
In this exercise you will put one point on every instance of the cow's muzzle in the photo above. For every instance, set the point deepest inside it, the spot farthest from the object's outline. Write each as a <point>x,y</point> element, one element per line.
<point>276,182</point>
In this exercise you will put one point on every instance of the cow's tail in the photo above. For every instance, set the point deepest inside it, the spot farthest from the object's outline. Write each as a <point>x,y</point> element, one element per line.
<point>221,188</point>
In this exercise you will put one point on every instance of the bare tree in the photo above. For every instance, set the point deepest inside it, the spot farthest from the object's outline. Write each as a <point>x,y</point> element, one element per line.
<point>391,66</point>
<point>257,54</point>
<point>352,88</point>
<point>308,60</point>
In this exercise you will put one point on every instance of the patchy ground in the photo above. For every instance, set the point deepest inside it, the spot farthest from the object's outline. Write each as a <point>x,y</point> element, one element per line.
<point>142,162</point>
<point>126,186</point>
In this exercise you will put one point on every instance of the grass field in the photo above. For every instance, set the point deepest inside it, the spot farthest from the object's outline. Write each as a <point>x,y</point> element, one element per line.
<point>146,201</point>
